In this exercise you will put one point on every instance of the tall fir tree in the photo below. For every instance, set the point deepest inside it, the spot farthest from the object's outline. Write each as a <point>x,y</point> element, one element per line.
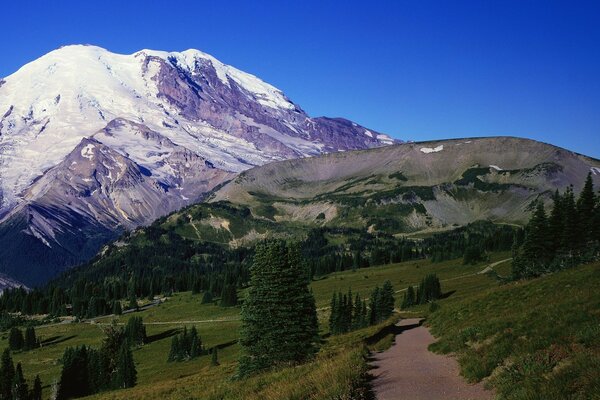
<point>586,204</point>
<point>20,390</point>
<point>126,375</point>
<point>36,390</point>
<point>7,374</point>
<point>279,319</point>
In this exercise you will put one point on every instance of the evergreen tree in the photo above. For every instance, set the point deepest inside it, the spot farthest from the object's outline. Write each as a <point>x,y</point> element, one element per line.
<point>409,298</point>
<point>429,290</point>
<point>207,297</point>
<point>229,296</point>
<point>20,391</point>
<point>279,319</point>
<point>15,339</point>
<point>7,374</point>
<point>36,390</point>
<point>387,300</point>
<point>537,248</point>
<point>74,378</point>
<point>175,352</point>
<point>125,375</point>
<point>374,304</point>
<point>135,331</point>
<point>31,341</point>
<point>117,309</point>
<point>585,208</point>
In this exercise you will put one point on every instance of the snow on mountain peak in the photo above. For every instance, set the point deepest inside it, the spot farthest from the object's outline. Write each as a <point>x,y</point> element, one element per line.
<point>229,117</point>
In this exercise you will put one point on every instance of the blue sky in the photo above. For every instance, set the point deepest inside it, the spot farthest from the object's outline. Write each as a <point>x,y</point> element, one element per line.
<point>417,70</point>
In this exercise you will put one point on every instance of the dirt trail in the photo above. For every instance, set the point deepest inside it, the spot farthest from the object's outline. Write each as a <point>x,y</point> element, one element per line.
<point>409,371</point>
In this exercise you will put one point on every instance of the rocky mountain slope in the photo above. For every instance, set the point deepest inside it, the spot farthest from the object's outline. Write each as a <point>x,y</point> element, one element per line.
<point>93,143</point>
<point>414,186</point>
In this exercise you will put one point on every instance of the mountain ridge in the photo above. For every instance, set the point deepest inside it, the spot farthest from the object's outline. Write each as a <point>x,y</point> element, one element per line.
<point>170,126</point>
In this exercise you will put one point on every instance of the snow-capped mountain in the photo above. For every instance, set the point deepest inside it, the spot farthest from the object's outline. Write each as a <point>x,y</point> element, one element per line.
<point>92,143</point>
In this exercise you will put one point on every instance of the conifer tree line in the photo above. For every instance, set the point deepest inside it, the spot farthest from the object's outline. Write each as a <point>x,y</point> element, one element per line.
<point>18,341</point>
<point>279,316</point>
<point>428,291</point>
<point>348,314</point>
<point>13,385</point>
<point>186,346</point>
<point>568,236</point>
<point>87,370</point>
<point>381,303</point>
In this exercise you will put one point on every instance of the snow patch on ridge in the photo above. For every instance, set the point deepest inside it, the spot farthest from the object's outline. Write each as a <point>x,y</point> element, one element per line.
<point>88,151</point>
<point>595,170</point>
<point>432,150</point>
<point>497,168</point>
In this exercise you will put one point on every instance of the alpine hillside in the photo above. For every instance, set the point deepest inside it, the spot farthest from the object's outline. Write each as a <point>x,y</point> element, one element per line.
<point>93,143</point>
<point>412,187</point>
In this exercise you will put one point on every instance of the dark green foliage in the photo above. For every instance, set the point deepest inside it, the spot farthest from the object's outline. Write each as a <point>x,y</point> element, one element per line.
<point>347,314</point>
<point>186,346</point>
<point>31,341</point>
<point>471,241</point>
<point>135,331</point>
<point>7,374</point>
<point>117,309</point>
<point>429,290</point>
<point>565,239</point>
<point>472,176</point>
<point>36,390</point>
<point>20,391</point>
<point>15,339</point>
<point>473,255</point>
<point>229,297</point>
<point>74,379</point>
<point>279,318</point>
<point>381,303</point>
<point>126,375</point>
<point>207,297</point>
<point>410,298</point>
<point>87,371</point>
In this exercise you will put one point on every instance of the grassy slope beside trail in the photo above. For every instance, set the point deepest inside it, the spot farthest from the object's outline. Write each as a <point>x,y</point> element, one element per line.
<point>339,362</point>
<point>537,339</point>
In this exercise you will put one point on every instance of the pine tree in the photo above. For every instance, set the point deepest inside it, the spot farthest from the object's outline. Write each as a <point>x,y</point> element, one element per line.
<point>135,331</point>
<point>31,341</point>
<point>74,377</point>
<point>279,319</point>
<point>175,352</point>
<point>117,309</point>
<point>20,391</point>
<point>556,223</point>
<point>585,208</point>
<point>7,374</point>
<point>126,375</point>
<point>15,339</point>
<point>536,253</point>
<point>36,391</point>
<point>207,297</point>
<point>374,302</point>
<point>387,300</point>
<point>409,298</point>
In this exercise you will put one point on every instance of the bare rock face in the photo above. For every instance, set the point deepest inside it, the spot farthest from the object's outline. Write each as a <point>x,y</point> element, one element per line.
<point>94,143</point>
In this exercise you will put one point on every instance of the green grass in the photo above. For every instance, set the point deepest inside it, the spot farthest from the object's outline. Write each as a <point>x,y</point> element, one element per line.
<point>537,339</point>
<point>337,372</point>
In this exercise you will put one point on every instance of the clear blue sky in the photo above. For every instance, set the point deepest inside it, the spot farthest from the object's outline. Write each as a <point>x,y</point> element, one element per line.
<point>416,69</point>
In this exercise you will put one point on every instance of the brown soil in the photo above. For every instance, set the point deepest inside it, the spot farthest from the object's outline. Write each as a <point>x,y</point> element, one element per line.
<point>409,371</point>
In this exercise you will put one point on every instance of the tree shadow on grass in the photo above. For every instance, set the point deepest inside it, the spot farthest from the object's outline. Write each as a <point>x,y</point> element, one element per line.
<point>447,294</point>
<point>163,335</point>
<point>56,340</point>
